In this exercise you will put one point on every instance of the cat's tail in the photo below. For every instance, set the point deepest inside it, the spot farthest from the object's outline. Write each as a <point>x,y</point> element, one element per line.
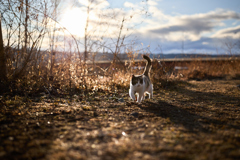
<point>148,65</point>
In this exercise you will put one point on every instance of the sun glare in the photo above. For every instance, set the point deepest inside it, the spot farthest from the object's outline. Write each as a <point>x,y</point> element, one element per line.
<point>74,20</point>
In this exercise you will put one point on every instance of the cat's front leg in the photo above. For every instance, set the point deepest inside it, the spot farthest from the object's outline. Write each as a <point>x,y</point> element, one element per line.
<point>143,97</point>
<point>132,95</point>
<point>151,92</point>
<point>140,97</point>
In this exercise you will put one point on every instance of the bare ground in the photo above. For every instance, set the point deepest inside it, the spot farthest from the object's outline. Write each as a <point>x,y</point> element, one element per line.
<point>185,120</point>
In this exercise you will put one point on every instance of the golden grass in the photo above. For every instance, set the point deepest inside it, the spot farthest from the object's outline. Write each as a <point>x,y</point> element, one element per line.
<point>70,75</point>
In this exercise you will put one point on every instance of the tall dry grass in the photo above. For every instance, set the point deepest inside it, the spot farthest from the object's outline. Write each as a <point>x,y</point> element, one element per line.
<point>200,69</point>
<point>70,76</point>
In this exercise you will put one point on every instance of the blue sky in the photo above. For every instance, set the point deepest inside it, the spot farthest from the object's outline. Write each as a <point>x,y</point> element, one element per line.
<point>177,26</point>
<point>186,6</point>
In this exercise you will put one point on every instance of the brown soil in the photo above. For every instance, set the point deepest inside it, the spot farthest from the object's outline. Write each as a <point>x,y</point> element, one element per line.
<point>185,120</point>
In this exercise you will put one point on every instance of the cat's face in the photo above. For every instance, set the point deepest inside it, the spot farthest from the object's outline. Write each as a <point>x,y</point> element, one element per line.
<point>137,80</point>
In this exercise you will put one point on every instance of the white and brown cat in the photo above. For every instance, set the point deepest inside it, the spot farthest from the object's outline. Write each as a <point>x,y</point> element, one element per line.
<point>141,84</point>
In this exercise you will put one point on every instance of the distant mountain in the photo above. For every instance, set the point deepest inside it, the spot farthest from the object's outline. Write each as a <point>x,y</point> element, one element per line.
<point>180,55</point>
<point>123,56</point>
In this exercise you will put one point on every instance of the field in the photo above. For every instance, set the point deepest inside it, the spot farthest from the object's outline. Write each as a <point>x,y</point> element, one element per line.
<point>195,118</point>
<point>65,69</point>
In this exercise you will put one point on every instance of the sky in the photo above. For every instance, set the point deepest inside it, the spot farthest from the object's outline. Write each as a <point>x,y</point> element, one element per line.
<point>166,26</point>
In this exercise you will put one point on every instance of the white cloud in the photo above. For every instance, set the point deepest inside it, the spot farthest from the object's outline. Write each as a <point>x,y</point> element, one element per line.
<point>129,5</point>
<point>102,3</point>
<point>193,26</point>
<point>152,3</point>
<point>94,3</point>
<point>233,32</point>
<point>205,43</point>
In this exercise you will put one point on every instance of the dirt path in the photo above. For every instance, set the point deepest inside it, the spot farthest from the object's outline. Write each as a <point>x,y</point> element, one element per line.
<point>185,120</point>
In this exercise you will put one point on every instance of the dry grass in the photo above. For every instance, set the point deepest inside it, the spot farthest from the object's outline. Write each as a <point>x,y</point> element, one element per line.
<point>212,69</point>
<point>70,76</point>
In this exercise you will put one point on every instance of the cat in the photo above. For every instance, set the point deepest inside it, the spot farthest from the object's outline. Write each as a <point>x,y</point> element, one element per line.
<point>141,84</point>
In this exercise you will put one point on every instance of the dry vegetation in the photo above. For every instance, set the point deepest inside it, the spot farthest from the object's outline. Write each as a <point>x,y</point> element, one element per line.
<point>187,119</point>
<point>228,69</point>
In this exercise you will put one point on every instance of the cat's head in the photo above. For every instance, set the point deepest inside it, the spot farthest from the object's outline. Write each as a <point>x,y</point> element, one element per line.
<point>137,80</point>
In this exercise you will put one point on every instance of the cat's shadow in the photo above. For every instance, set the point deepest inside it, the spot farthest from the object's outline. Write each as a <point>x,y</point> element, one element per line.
<point>178,115</point>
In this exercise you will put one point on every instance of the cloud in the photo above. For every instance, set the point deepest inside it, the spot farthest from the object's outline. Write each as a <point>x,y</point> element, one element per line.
<point>221,14</point>
<point>194,30</point>
<point>233,32</point>
<point>152,3</point>
<point>158,45</point>
<point>205,43</point>
<point>129,5</point>
<point>94,3</point>
<point>192,25</point>
<point>185,25</point>
<point>199,31</point>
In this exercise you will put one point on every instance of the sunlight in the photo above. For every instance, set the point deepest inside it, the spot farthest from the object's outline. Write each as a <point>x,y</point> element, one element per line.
<point>74,20</point>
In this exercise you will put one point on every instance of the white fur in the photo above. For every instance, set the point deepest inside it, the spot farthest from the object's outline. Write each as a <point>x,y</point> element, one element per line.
<point>140,89</point>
